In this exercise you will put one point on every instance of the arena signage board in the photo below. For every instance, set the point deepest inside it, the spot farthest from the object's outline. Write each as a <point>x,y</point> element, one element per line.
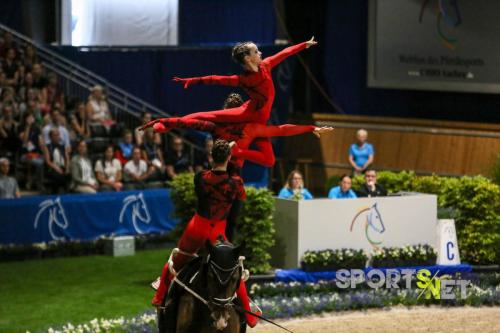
<point>434,45</point>
<point>364,223</point>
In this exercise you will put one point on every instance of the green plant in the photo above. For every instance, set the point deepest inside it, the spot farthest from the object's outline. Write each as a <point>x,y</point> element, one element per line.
<point>256,229</point>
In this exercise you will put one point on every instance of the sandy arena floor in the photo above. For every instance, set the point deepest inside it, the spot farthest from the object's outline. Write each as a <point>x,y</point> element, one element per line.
<point>395,320</point>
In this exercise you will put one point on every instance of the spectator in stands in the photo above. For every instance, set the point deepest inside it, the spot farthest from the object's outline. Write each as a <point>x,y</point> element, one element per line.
<point>294,187</point>
<point>56,156</point>
<point>29,57</point>
<point>361,153</point>
<point>82,174</point>
<point>370,188</point>
<point>204,160</point>
<point>178,160</point>
<point>58,121</point>
<point>9,136</point>
<point>7,43</point>
<point>152,151</point>
<point>51,95</point>
<point>125,147</point>
<point>31,148</point>
<point>10,67</point>
<point>8,185</point>
<point>109,171</point>
<point>27,84</point>
<point>80,129</point>
<point>39,78</point>
<point>146,118</point>
<point>343,191</point>
<point>97,108</point>
<point>136,172</point>
<point>9,99</point>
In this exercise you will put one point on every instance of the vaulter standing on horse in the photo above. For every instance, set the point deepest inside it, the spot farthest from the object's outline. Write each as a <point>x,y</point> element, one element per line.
<point>217,192</point>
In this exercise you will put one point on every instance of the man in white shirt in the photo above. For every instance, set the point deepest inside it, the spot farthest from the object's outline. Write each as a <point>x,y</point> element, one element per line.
<point>136,171</point>
<point>58,122</point>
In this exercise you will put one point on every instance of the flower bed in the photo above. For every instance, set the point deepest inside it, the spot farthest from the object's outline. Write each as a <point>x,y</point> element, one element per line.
<point>332,260</point>
<point>145,323</point>
<point>416,255</point>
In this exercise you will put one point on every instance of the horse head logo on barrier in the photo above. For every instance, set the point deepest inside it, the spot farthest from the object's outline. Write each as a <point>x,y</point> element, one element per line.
<point>140,212</point>
<point>56,216</point>
<point>373,221</point>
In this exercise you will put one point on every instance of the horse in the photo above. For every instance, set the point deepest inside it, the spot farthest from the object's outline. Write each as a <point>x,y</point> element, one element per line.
<point>57,216</point>
<point>140,211</point>
<point>373,221</point>
<point>205,301</point>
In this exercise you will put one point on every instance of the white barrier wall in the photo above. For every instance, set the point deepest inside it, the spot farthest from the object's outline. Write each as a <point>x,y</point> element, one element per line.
<point>364,223</point>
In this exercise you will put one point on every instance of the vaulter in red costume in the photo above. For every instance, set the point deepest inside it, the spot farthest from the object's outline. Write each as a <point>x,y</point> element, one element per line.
<point>242,134</point>
<point>256,81</point>
<point>217,192</point>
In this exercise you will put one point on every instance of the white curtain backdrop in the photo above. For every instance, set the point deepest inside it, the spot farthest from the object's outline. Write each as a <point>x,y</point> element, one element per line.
<point>121,22</point>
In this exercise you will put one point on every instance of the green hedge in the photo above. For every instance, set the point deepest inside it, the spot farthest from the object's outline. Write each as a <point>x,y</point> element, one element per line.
<point>475,202</point>
<point>255,225</point>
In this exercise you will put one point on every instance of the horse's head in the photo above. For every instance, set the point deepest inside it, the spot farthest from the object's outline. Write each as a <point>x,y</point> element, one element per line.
<point>58,215</point>
<point>141,209</point>
<point>224,273</point>
<point>375,219</point>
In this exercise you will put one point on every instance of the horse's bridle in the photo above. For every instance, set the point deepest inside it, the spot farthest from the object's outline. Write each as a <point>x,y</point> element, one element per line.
<point>218,271</point>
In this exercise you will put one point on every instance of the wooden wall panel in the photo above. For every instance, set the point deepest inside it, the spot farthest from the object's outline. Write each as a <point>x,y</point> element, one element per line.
<point>447,148</point>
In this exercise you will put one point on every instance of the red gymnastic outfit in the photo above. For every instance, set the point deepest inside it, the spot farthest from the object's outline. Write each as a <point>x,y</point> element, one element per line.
<point>258,85</point>
<point>242,134</point>
<point>216,192</point>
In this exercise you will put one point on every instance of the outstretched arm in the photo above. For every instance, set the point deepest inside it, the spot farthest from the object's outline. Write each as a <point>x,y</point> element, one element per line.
<point>289,51</point>
<point>232,80</point>
<point>263,131</point>
<point>264,154</point>
<point>163,125</point>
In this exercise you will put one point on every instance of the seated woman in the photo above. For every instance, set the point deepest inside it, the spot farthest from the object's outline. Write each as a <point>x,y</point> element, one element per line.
<point>108,171</point>
<point>294,188</point>
<point>343,191</point>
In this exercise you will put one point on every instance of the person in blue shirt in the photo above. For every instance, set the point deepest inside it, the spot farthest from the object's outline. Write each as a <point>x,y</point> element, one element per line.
<point>294,188</point>
<point>361,153</point>
<point>343,191</point>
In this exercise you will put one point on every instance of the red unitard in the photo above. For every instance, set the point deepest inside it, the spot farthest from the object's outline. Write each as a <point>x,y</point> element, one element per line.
<point>258,85</point>
<point>242,134</point>
<point>216,192</point>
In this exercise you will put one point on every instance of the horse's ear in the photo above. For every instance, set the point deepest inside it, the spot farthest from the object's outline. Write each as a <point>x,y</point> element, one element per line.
<point>237,250</point>
<point>209,246</point>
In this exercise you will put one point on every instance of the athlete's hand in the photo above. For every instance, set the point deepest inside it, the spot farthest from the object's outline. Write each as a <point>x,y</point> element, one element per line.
<point>150,124</point>
<point>320,130</point>
<point>311,42</point>
<point>187,82</point>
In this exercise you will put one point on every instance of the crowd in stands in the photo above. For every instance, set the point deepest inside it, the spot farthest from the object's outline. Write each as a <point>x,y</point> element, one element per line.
<point>54,143</point>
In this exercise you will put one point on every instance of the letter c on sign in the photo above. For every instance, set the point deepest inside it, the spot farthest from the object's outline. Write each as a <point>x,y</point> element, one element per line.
<point>448,254</point>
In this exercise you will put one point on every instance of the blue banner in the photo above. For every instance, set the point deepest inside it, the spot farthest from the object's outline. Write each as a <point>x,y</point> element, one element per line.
<point>84,216</point>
